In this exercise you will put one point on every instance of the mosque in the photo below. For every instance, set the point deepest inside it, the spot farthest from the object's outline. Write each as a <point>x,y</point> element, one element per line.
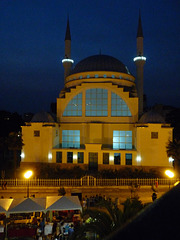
<point>100,122</point>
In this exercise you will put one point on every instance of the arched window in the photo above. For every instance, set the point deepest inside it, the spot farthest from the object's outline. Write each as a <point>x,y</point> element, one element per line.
<point>119,108</point>
<point>97,102</point>
<point>74,107</point>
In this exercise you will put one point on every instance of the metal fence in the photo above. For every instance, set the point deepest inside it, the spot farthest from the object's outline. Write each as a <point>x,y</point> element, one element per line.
<point>87,181</point>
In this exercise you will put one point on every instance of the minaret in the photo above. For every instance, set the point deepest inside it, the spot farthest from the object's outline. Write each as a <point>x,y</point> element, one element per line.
<point>67,61</point>
<point>140,61</point>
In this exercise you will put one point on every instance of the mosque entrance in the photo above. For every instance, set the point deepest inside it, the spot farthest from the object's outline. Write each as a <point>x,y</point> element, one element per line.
<point>93,161</point>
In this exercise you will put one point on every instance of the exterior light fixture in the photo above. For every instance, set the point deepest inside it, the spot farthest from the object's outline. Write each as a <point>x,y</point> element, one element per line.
<point>171,159</point>
<point>75,156</point>
<point>50,156</point>
<point>170,175</point>
<point>138,158</point>
<point>27,175</point>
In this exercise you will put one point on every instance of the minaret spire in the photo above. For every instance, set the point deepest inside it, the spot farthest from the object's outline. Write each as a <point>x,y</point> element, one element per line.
<point>140,61</point>
<point>67,61</point>
<point>140,30</point>
<point>68,34</point>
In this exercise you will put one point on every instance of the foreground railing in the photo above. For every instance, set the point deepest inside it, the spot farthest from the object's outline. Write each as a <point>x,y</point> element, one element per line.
<point>86,181</point>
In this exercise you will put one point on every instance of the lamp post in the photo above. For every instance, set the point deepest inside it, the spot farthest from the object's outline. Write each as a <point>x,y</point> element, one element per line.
<point>170,175</point>
<point>27,175</point>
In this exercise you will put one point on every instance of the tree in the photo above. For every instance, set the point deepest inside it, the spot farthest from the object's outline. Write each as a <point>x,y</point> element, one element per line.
<point>131,207</point>
<point>106,218</point>
<point>61,191</point>
<point>173,150</point>
<point>15,144</point>
<point>102,220</point>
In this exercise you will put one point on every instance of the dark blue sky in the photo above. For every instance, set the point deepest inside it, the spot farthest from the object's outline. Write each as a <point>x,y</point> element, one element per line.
<point>32,46</point>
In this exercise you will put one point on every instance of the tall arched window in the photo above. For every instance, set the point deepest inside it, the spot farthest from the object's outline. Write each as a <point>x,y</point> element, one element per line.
<point>119,108</point>
<point>74,107</point>
<point>97,102</point>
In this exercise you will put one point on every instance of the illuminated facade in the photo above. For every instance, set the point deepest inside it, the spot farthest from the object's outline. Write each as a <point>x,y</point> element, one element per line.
<point>97,124</point>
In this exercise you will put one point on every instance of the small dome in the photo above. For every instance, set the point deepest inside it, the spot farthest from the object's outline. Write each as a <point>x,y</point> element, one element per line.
<point>100,63</point>
<point>151,117</point>
<point>42,117</point>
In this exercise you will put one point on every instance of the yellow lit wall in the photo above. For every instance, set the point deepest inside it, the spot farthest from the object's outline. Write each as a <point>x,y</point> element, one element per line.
<point>39,148</point>
<point>153,150</point>
<point>131,102</point>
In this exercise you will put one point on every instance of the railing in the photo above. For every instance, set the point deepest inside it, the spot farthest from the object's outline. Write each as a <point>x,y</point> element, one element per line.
<point>87,181</point>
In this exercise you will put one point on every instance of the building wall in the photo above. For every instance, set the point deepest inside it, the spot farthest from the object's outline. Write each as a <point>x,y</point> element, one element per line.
<point>39,148</point>
<point>96,132</point>
<point>152,149</point>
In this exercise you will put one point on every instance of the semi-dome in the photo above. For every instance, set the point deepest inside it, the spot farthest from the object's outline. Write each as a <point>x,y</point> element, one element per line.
<point>100,63</point>
<point>151,117</point>
<point>42,117</point>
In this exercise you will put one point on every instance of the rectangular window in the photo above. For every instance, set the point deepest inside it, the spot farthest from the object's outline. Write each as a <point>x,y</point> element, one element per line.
<point>154,135</point>
<point>80,157</point>
<point>122,139</point>
<point>69,157</point>
<point>105,158</point>
<point>36,133</point>
<point>96,102</point>
<point>59,157</point>
<point>117,158</point>
<point>71,139</point>
<point>128,159</point>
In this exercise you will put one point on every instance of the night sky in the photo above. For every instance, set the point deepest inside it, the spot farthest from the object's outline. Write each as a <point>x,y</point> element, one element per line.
<point>32,46</point>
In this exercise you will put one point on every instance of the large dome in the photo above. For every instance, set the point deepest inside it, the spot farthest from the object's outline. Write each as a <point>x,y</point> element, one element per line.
<point>100,63</point>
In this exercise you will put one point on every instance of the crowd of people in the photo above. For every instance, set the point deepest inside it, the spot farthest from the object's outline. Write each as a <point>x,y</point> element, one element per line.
<point>58,229</point>
<point>92,201</point>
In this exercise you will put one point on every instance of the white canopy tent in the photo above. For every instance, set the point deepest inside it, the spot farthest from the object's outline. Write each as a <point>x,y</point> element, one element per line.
<point>60,203</point>
<point>24,205</point>
<point>50,203</point>
<point>5,204</point>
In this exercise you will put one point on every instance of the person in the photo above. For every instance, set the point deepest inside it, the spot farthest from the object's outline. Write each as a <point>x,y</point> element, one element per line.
<point>5,185</point>
<point>40,237</point>
<point>154,196</point>
<point>54,225</point>
<point>84,203</point>
<point>34,221</point>
<point>70,230</point>
<point>48,230</point>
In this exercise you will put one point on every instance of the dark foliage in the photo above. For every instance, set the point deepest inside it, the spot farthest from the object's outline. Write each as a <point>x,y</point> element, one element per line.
<point>10,122</point>
<point>174,118</point>
<point>46,170</point>
<point>61,191</point>
<point>129,172</point>
<point>106,218</point>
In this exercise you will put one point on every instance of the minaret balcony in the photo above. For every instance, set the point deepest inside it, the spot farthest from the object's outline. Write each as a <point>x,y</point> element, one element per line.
<point>139,58</point>
<point>67,60</point>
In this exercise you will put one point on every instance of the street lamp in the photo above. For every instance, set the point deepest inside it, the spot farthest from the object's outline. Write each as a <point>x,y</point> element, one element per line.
<point>27,175</point>
<point>170,175</point>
